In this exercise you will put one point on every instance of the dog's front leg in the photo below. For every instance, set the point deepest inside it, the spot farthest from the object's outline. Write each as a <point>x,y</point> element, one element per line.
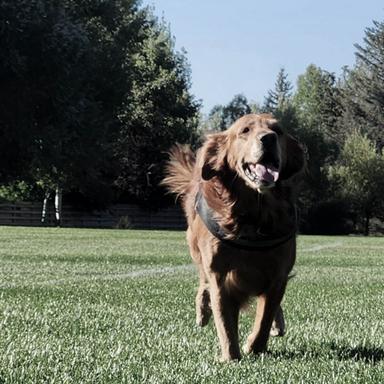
<point>203,301</point>
<point>226,316</point>
<point>267,308</point>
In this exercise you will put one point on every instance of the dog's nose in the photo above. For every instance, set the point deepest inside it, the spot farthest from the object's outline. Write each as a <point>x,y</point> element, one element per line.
<point>269,140</point>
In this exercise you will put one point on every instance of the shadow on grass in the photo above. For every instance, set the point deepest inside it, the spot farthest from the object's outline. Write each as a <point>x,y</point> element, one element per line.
<point>366,354</point>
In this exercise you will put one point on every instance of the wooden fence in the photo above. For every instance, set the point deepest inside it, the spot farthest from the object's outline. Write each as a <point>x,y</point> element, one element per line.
<point>116,216</point>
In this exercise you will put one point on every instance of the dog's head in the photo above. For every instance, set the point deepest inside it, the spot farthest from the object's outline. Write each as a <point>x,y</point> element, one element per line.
<point>257,149</point>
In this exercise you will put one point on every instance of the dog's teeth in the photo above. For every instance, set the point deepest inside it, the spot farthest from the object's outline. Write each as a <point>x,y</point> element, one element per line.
<point>251,175</point>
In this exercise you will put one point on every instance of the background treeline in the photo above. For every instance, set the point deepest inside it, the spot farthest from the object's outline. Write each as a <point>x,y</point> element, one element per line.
<point>93,94</point>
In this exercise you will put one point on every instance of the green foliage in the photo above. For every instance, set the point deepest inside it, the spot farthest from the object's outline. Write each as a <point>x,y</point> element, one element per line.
<point>363,87</point>
<point>84,83</point>
<point>317,103</point>
<point>316,110</point>
<point>41,95</point>
<point>222,117</point>
<point>359,177</point>
<point>279,103</point>
<point>17,191</point>
<point>236,108</point>
<point>157,112</point>
<point>278,99</point>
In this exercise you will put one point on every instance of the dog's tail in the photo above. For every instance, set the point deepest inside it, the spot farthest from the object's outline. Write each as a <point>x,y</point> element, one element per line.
<point>179,169</point>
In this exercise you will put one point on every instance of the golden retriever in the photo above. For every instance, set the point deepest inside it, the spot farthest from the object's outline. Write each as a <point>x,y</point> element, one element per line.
<point>238,194</point>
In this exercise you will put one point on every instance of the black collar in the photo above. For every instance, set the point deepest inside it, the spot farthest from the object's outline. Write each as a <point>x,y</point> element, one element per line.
<point>259,242</point>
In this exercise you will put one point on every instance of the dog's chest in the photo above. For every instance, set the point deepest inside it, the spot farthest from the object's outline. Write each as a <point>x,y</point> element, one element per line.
<point>249,275</point>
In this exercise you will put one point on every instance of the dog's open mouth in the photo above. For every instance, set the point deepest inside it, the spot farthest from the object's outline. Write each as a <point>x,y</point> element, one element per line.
<point>264,173</point>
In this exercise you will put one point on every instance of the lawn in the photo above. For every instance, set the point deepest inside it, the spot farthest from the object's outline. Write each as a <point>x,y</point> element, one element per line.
<point>117,306</point>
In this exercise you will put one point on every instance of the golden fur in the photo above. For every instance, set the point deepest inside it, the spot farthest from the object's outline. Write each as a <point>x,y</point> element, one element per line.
<point>247,175</point>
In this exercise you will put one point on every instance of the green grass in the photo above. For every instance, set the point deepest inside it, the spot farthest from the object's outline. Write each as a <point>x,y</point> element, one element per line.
<point>106,306</point>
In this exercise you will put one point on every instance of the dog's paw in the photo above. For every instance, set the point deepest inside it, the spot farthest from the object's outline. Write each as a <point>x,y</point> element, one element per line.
<point>276,331</point>
<point>247,349</point>
<point>254,347</point>
<point>202,321</point>
<point>278,325</point>
<point>229,359</point>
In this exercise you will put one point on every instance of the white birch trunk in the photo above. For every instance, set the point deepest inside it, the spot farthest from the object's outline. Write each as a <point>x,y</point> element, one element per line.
<point>44,210</point>
<point>58,205</point>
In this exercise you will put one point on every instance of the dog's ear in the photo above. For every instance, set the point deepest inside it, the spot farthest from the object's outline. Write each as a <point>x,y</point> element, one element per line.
<point>294,158</point>
<point>213,155</point>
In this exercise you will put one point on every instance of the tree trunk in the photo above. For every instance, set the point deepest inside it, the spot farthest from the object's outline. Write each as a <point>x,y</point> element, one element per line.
<point>58,205</point>
<point>44,210</point>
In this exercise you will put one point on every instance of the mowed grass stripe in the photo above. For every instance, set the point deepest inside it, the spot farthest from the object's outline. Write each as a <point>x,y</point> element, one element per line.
<point>94,251</point>
<point>321,246</point>
<point>81,276</point>
<point>140,328</point>
<point>138,273</point>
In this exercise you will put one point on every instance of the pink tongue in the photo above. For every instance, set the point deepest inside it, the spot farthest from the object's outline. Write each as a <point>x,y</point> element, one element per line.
<point>266,173</point>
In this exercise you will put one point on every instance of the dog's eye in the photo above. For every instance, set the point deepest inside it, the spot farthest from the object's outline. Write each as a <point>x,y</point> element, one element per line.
<point>245,130</point>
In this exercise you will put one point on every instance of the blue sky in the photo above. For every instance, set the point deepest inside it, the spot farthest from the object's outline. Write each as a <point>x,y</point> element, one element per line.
<point>239,46</point>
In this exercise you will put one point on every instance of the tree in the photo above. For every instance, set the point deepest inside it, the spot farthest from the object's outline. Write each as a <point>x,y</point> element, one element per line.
<point>317,102</point>
<point>222,117</point>
<point>279,102</point>
<point>53,115</point>
<point>236,108</point>
<point>363,87</point>
<point>50,118</point>
<point>75,87</point>
<point>279,97</point>
<point>156,112</point>
<point>317,110</point>
<point>358,177</point>
<point>308,114</point>
<point>215,120</point>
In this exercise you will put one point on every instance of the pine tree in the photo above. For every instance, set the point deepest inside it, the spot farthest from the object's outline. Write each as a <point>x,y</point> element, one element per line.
<point>278,97</point>
<point>363,88</point>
